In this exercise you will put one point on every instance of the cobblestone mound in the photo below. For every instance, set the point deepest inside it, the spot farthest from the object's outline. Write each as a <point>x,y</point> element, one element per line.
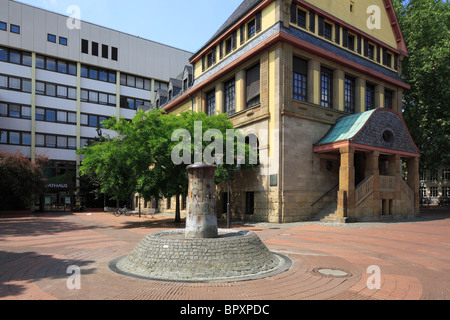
<point>233,256</point>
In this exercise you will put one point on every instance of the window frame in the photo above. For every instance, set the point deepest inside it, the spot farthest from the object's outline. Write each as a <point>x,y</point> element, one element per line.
<point>230,96</point>
<point>51,38</point>
<point>211,102</point>
<point>349,94</point>
<point>13,28</point>
<point>326,87</point>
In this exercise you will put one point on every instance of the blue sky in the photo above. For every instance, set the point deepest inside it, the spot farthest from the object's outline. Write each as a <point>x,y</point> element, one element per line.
<point>184,24</point>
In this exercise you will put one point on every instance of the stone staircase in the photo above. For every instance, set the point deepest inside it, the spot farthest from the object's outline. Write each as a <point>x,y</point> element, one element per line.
<point>328,214</point>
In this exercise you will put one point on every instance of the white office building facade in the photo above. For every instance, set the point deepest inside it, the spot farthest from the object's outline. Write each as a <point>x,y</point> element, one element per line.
<point>59,80</point>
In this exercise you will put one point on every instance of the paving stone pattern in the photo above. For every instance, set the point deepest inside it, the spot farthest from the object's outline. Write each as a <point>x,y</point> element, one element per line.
<point>168,255</point>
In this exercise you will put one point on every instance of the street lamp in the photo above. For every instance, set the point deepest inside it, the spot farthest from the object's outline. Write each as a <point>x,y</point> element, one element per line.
<point>219,162</point>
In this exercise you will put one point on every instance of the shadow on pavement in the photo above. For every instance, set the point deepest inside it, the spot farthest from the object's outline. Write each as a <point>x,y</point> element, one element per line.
<point>30,267</point>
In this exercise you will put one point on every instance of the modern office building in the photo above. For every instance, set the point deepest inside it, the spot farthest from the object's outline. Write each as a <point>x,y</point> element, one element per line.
<point>435,186</point>
<point>60,78</point>
<point>319,84</point>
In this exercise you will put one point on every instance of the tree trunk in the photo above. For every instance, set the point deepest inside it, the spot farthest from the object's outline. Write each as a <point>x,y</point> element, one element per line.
<point>177,209</point>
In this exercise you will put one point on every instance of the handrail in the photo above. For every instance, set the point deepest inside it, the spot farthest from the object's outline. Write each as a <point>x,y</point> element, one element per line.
<point>363,190</point>
<point>326,194</point>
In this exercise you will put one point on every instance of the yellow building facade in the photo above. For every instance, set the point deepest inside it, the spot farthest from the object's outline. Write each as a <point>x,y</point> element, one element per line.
<point>319,84</point>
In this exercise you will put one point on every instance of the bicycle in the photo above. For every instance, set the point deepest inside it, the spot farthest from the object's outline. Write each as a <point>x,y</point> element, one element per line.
<point>122,211</point>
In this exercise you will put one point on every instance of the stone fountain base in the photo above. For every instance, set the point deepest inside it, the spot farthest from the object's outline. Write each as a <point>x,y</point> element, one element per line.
<point>233,256</point>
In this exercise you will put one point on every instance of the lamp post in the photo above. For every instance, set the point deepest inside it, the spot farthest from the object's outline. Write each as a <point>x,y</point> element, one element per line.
<point>219,162</point>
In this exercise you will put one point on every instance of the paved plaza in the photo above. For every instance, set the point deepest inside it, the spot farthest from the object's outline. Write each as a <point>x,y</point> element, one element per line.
<point>330,262</point>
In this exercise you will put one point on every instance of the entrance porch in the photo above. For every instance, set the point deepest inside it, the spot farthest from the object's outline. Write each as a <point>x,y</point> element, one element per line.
<point>379,167</point>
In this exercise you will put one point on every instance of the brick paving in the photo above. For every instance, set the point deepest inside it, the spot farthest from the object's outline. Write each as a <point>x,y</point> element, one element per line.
<point>413,257</point>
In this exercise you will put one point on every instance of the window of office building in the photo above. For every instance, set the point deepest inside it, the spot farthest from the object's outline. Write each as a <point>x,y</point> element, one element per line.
<point>105,51</point>
<point>51,38</point>
<point>15,29</point>
<point>63,41</point>
<point>14,83</point>
<point>446,174</point>
<point>95,49</point>
<point>84,46</point>
<point>114,54</point>
<point>349,94</point>
<point>15,57</point>
<point>3,26</point>
<point>434,192</point>
<point>446,192</point>
<point>300,71</point>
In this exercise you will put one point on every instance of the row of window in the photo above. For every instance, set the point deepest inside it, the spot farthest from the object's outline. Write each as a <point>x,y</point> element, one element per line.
<point>57,65</point>
<point>103,98</point>
<point>300,88</point>
<point>434,192</point>
<point>42,140</point>
<point>12,27</point>
<point>95,50</point>
<point>15,56</point>
<point>52,38</point>
<point>50,115</point>
<point>350,41</point>
<point>98,74</point>
<point>15,83</point>
<point>133,103</point>
<point>433,176</point>
<point>67,92</point>
<point>246,32</point>
<point>252,93</point>
<point>66,67</point>
<point>135,82</point>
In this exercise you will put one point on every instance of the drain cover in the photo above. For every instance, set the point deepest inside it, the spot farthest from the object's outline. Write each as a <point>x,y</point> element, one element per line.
<point>332,273</point>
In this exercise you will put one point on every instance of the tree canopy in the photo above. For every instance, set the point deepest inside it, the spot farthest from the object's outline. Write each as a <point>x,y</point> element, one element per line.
<point>425,25</point>
<point>141,157</point>
<point>20,180</point>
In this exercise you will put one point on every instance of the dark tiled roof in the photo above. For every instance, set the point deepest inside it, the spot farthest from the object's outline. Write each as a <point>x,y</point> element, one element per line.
<point>305,36</point>
<point>241,11</point>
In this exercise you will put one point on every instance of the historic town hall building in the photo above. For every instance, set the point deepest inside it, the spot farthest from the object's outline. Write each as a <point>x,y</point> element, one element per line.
<point>319,84</point>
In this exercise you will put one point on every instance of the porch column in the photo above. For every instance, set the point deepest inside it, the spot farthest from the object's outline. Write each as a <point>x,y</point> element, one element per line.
<point>395,169</point>
<point>413,181</point>
<point>346,193</point>
<point>372,169</point>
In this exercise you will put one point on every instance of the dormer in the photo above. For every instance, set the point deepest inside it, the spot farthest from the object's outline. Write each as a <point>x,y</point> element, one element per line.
<point>187,78</point>
<point>175,86</point>
<point>160,98</point>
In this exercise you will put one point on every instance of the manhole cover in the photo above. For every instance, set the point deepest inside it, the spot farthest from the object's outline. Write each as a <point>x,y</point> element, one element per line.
<point>332,273</point>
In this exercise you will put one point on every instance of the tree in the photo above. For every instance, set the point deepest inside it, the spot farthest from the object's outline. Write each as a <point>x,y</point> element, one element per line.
<point>425,25</point>
<point>21,179</point>
<point>140,159</point>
